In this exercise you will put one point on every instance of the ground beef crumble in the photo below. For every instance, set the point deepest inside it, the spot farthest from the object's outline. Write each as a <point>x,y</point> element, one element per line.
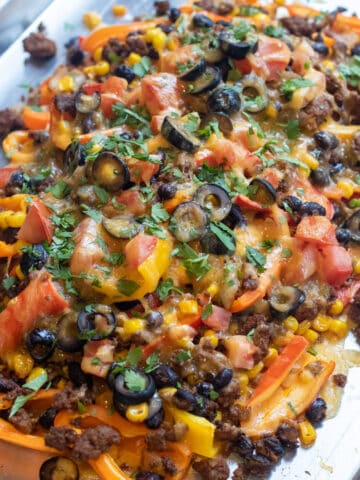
<point>68,398</point>
<point>39,45</point>
<point>61,438</point>
<point>212,469</point>
<point>23,421</point>
<point>95,441</point>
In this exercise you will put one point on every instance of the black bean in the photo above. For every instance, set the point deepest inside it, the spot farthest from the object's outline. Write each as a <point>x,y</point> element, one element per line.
<point>223,378</point>
<point>166,191</point>
<point>243,445</point>
<point>18,183</point>
<point>174,14</point>
<point>317,411</point>
<point>204,388</point>
<point>291,202</point>
<point>320,177</point>
<point>202,21</point>
<point>46,420</point>
<point>156,420</point>
<point>312,208</point>
<point>288,436</point>
<point>342,235</point>
<point>164,376</point>
<point>166,28</point>
<point>75,56</point>
<point>148,476</point>
<point>123,71</point>
<point>154,319</point>
<point>184,400</point>
<point>224,23</point>
<point>326,140</point>
<point>320,48</point>
<point>356,49</point>
<point>336,168</point>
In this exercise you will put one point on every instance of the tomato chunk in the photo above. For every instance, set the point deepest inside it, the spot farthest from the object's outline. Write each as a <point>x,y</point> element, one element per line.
<point>316,230</point>
<point>335,264</point>
<point>5,175</point>
<point>139,248</point>
<point>219,319</point>
<point>37,226</point>
<point>240,351</point>
<point>161,92</point>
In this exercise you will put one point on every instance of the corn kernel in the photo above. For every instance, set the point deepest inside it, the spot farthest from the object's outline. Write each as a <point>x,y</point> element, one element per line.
<point>22,364</point>
<point>167,393</point>
<point>170,317</point>
<point>303,327</point>
<point>91,20</point>
<point>339,327</point>
<point>119,10</point>
<point>270,357</point>
<point>212,289</point>
<point>90,70</point>
<point>321,323</point>
<point>211,336</point>
<point>311,336</point>
<point>66,84</point>
<point>255,370</point>
<point>346,188</point>
<point>150,34</point>
<point>243,381</point>
<point>336,307</point>
<point>309,160</point>
<point>357,267</point>
<point>102,68</point>
<point>188,307</point>
<point>133,58</point>
<point>290,323</point>
<point>159,41</point>
<point>328,64</point>
<point>35,372</point>
<point>218,416</point>
<point>137,413</point>
<point>307,433</point>
<point>271,111</point>
<point>19,273</point>
<point>133,325</point>
<point>11,219</point>
<point>98,54</point>
<point>172,44</point>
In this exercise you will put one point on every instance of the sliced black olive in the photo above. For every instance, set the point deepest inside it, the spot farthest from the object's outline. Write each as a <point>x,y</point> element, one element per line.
<point>235,218</point>
<point>291,203</point>
<point>68,334</point>
<point>34,258</point>
<point>312,208</point>
<point>224,100</point>
<point>188,222</point>
<point>123,71</point>
<point>326,140</point>
<point>212,53</point>
<point>175,133</point>
<point>285,300</point>
<point>317,411</point>
<point>47,418</point>
<point>353,222</point>
<point>194,71</point>
<point>154,319</point>
<point>238,49</point>
<point>59,467</point>
<point>148,476</point>
<point>40,344</point>
<point>202,21</point>
<point>223,378</point>
<point>320,48</point>
<point>98,323</point>
<point>320,177</point>
<point>164,376</point>
<point>209,80</point>
<point>224,122</point>
<point>184,399</point>
<point>154,422</point>
<point>76,375</point>
<point>254,94</point>
<point>74,156</point>
<point>166,191</point>
<point>262,192</point>
<point>343,235</point>
<point>355,49</point>
<point>211,243</point>
<point>174,14</point>
<point>110,171</point>
<point>17,183</point>
<point>215,200</point>
<point>85,103</point>
<point>122,226</point>
<point>127,395</point>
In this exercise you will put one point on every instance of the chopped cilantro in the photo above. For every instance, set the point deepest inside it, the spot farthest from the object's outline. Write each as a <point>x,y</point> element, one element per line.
<point>127,287</point>
<point>211,127</point>
<point>36,384</point>
<point>164,288</point>
<point>290,85</point>
<point>134,116</point>
<point>241,30</point>
<point>158,213</point>
<point>115,258</point>
<point>8,282</point>
<point>268,244</point>
<point>101,193</point>
<point>143,67</point>
<point>213,395</point>
<point>256,258</point>
<point>286,253</point>
<point>152,227</point>
<point>351,71</point>
<point>152,362</point>
<point>272,31</point>
<point>80,406</point>
<point>182,356</point>
<point>91,212</point>
<point>134,356</point>
<point>207,311</point>
<point>196,265</point>
<point>134,380</point>
<point>293,129</point>
<point>293,409</point>
<point>192,122</point>
<point>224,234</point>
<point>60,190</point>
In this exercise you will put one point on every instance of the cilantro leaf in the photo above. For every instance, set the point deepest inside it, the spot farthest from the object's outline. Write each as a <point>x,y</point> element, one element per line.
<point>351,71</point>
<point>164,288</point>
<point>91,212</point>
<point>60,190</point>
<point>256,258</point>
<point>152,362</point>
<point>182,356</point>
<point>152,227</point>
<point>127,287</point>
<point>158,213</point>
<point>272,31</point>
<point>224,234</point>
<point>207,311</point>
<point>143,67</point>
<point>133,357</point>
<point>8,282</point>
<point>293,129</point>
<point>290,85</point>
<point>134,381</point>
<point>196,265</point>
<point>134,116</point>
<point>36,384</point>
<point>101,193</point>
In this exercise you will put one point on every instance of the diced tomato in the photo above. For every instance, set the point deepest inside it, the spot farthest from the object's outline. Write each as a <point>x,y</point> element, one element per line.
<point>103,351</point>
<point>5,174</point>
<point>335,265</point>
<point>107,102</point>
<point>90,88</point>
<point>139,248</point>
<point>244,66</point>
<point>132,201</point>
<point>317,230</point>
<point>115,85</point>
<point>156,123</point>
<point>240,351</point>
<point>37,226</point>
<point>219,319</point>
<point>39,299</point>
<point>160,92</point>
<point>143,171</point>
<point>170,60</point>
<point>347,294</point>
<point>302,264</point>
<point>246,202</point>
<point>275,54</point>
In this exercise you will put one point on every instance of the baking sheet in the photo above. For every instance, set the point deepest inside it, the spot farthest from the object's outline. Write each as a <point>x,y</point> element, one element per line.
<point>336,453</point>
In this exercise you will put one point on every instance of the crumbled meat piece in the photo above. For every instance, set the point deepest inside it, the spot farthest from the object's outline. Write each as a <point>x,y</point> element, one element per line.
<point>354,310</point>
<point>74,56</point>
<point>315,368</point>
<point>251,322</point>
<point>169,466</point>
<point>229,394</point>
<point>156,440</point>
<point>61,438</point>
<point>174,432</point>
<point>225,7</point>
<point>212,469</point>
<point>244,413</point>
<point>68,398</point>
<point>8,385</point>
<point>136,43</point>
<point>65,103</point>
<point>161,7</point>
<point>236,414</point>
<point>258,465</point>
<point>300,26</point>
<point>39,46</point>
<point>335,87</point>
<point>270,447</point>
<point>95,441</point>
<point>251,280</point>
<point>288,436</point>
<point>23,421</point>
<point>339,50</point>
<point>206,4</point>
<point>115,47</point>
<point>315,113</point>
<point>352,108</point>
<point>243,445</point>
<point>340,380</point>
<point>262,337</point>
<point>226,431</point>
<point>239,474</point>
<point>9,120</point>
<point>308,310</point>
<point>162,466</point>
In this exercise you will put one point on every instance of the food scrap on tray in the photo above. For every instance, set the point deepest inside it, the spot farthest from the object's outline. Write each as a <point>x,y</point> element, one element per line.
<point>179,241</point>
